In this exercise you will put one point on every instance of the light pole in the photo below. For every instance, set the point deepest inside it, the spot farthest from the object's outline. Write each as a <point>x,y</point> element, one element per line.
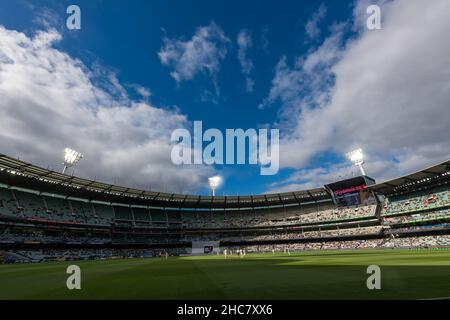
<point>357,158</point>
<point>214,182</point>
<point>71,158</point>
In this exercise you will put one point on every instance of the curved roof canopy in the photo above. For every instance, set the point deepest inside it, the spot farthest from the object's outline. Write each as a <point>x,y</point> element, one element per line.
<point>427,177</point>
<point>18,173</point>
<point>21,174</point>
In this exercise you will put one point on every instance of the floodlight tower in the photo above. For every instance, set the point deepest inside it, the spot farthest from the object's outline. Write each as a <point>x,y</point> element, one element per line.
<point>357,158</point>
<point>71,158</point>
<point>214,182</point>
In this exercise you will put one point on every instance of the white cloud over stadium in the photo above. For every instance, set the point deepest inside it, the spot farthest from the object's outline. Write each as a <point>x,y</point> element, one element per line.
<point>386,91</point>
<point>202,53</point>
<point>245,43</point>
<point>50,101</point>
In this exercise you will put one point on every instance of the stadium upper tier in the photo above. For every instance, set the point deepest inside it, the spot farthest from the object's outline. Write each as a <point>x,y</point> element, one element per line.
<point>21,174</point>
<point>17,173</point>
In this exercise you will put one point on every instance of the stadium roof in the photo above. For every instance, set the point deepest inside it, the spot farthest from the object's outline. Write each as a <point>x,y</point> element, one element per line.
<point>351,182</point>
<point>411,182</point>
<point>21,174</point>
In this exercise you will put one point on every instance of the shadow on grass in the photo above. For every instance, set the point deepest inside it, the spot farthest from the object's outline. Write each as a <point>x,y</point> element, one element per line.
<point>267,279</point>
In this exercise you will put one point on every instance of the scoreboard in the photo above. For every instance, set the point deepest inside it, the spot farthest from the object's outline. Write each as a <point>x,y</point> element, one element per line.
<point>352,192</point>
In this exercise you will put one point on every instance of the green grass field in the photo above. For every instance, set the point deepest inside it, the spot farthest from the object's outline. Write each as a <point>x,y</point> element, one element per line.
<point>405,274</point>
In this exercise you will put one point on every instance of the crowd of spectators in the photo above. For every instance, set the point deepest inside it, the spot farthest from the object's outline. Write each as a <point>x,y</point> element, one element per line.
<point>283,235</point>
<point>41,237</point>
<point>36,207</point>
<point>93,254</point>
<point>277,217</point>
<point>438,226</point>
<point>418,217</point>
<point>393,242</point>
<point>419,201</point>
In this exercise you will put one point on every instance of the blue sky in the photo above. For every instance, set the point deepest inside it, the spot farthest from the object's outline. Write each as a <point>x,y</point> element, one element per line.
<point>118,47</point>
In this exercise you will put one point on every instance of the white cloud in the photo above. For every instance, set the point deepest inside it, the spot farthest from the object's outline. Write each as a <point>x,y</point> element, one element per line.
<point>387,91</point>
<point>200,54</point>
<point>245,43</point>
<point>144,92</point>
<point>304,85</point>
<point>48,18</point>
<point>50,100</point>
<point>311,28</point>
<point>312,178</point>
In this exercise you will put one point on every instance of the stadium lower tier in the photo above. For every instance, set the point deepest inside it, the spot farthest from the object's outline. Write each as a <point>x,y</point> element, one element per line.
<point>45,255</point>
<point>407,243</point>
<point>14,236</point>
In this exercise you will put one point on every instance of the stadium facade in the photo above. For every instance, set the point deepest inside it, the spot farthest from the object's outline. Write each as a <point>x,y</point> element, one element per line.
<point>45,215</point>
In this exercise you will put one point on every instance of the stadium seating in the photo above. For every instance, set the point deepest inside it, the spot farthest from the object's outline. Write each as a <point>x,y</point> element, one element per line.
<point>283,235</point>
<point>92,254</point>
<point>418,201</point>
<point>50,219</point>
<point>407,242</point>
<point>418,217</point>
<point>141,214</point>
<point>158,216</point>
<point>104,214</point>
<point>8,205</point>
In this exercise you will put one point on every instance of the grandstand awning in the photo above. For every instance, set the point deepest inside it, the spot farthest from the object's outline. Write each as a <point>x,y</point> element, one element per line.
<point>350,183</point>
<point>430,176</point>
<point>18,173</point>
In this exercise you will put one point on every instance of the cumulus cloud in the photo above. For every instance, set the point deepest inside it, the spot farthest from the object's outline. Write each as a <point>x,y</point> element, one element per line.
<point>386,91</point>
<point>304,85</point>
<point>245,43</point>
<point>200,54</point>
<point>142,91</point>
<point>312,29</point>
<point>316,177</point>
<point>312,178</point>
<point>50,101</point>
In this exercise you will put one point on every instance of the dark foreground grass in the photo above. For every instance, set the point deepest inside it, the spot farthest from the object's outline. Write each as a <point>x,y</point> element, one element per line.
<point>406,274</point>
